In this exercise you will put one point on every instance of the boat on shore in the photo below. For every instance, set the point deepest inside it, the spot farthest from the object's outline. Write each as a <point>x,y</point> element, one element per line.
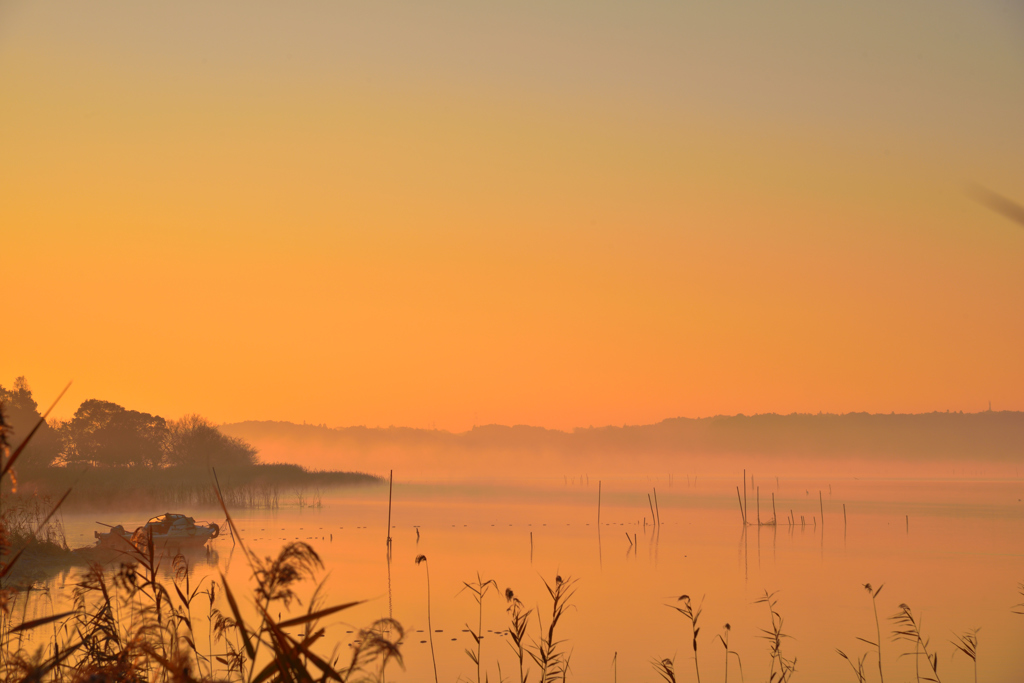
<point>166,530</point>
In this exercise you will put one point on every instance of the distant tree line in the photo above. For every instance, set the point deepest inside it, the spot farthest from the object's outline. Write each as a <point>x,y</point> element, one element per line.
<point>104,434</point>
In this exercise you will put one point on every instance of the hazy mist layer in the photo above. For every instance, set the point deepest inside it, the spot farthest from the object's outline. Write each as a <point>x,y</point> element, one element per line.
<point>933,444</point>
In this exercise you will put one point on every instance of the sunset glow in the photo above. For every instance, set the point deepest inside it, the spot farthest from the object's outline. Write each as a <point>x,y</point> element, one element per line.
<point>547,340</point>
<point>559,215</point>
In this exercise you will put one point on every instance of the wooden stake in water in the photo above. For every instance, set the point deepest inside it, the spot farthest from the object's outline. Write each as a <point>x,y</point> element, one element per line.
<point>391,482</point>
<point>599,503</point>
<point>656,508</point>
<point>743,515</point>
<point>821,508</point>
<point>775,519</point>
<point>758,494</point>
<point>844,516</point>
<point>652,508</point>
<point>744,496</point>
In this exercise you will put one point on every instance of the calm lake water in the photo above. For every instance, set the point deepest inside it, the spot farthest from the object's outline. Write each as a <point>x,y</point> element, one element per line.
<point>957,564</point>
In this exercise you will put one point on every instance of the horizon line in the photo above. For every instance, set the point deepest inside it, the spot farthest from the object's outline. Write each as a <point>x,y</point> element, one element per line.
<point>322,425</point>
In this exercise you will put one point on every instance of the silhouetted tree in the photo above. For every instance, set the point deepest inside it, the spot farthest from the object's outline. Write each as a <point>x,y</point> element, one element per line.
<point>104,433</point>
<point>22,414</point>
<point>194,441</point>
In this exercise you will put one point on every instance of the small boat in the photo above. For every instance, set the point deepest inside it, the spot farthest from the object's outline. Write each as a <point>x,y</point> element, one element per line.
<point>115,539</point>
<point>168,529</point>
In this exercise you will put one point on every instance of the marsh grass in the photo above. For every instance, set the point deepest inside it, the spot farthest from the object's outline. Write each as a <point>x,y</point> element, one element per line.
<point>422,559</point>
<point>908,628</point>
<point>781,666</point>
<point>666,668</point>
<point>256,487</point>
<point>128,625</point>
<point>856,664</point>
<point>877,643</point>
<point>24,519</point>
<point>967,643</point>
<point>548,651</point>
<point>693,616</point>
<point>723,638</point>
<point>519,618</point>
<point>478,589</point>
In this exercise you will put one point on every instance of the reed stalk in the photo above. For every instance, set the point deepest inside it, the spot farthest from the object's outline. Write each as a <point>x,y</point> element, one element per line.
<point>391,483</point>
<point>547,651</point>
<point>693,616</point>
<point>909,628</point>
<point>775,637</point>
<point>520,618</point>
<point>478,590</point>
<point>430,627</point>
<point>723,637</point>
<point>968,644</point>
<point>878,627</point>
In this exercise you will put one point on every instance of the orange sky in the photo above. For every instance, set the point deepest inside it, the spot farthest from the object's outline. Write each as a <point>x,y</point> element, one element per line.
<point>558,214</point>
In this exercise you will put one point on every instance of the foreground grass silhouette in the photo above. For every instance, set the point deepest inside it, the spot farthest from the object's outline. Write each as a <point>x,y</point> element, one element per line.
<point>128,625</point>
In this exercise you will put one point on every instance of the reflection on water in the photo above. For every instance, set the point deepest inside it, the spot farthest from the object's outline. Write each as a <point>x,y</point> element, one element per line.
<point>953,551</point>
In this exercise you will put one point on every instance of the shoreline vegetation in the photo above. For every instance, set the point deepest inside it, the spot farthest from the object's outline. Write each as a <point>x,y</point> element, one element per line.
<point>109,456</point>
<point>257,486</point>
<point>127,623</point>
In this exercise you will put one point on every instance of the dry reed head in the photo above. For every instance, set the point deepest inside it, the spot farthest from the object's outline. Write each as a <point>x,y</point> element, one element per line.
<point>856,664</point>
<point>968,643</point>
<point>547,651</point>
<point>517,632</point>
<point>375,643</point>
<point>276,577</point>
<point>908,628</point>
<point>666,668</point>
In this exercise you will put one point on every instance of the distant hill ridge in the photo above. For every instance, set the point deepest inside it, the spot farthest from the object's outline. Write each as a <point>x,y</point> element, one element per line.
<point>991,436</point>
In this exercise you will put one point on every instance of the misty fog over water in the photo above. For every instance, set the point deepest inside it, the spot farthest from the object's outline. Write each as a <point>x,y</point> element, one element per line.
<point>952,550</point>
